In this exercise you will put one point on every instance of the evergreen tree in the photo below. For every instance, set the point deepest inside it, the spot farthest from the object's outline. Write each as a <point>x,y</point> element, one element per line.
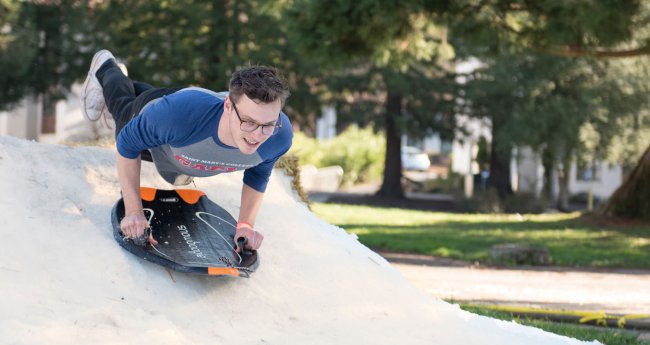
<point>401,85</point>
<point>203,42</point>
<point>17,49</point>
<point>60,55</point>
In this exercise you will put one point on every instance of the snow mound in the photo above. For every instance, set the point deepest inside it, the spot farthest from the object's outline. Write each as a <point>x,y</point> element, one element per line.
<point>65,280</point>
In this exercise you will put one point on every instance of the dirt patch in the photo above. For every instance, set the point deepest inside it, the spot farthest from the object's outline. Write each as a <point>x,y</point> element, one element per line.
<point>614,221</point>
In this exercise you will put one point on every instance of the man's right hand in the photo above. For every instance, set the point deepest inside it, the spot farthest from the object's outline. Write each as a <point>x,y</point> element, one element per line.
<point>133,225</point>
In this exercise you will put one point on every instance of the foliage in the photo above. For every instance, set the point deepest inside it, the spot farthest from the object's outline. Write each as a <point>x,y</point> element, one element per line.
<point>532,87</point>
<point>570,239</point>
<point>289,164</point>
<point>172,43</point>
<point>548,103</point>
<point>360,152</point>
<point>388,66</point>
<point>42,51</point>
<point>489,202</point>
<point>622,139</point>
<point>553,27</point>
<point>452,183</point>
<point>385,64</point>
<point>62,51</point>
<point>524,203</point>
<point>481,202</point>
<point>631,200</point>
<point>17,49</point>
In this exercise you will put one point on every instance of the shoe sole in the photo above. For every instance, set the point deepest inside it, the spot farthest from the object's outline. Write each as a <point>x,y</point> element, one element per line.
<point>84,90</point>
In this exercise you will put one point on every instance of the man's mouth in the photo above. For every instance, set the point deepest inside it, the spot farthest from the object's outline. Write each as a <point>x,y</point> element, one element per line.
<point>251,142</point>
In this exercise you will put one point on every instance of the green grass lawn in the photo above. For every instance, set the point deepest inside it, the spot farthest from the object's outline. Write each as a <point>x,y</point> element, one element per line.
<point>606,336</point>
<point>571,240</point>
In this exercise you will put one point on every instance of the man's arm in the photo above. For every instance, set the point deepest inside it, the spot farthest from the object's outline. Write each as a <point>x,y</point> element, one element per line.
<point>250,204</point>
<point>251,200</point>
<point>134,221</point>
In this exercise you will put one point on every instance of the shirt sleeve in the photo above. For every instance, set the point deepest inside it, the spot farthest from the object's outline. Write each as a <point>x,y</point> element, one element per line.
<point>257,177</point>
<point>170,120</point>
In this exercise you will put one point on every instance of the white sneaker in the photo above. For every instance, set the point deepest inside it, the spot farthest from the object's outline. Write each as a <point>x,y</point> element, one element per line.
<point>92,97</point>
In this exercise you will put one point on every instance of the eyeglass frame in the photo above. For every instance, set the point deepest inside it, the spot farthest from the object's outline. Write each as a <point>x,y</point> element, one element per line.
<point>276,128</point>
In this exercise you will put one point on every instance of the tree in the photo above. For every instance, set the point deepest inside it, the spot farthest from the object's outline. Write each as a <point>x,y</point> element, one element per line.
<point>60,58</point>
<point>579,94</point>
<point>549,103</point>
<point>398,84</point>
<point>202,42</point>
<point>599,28</point>
<point>17,49</point>
<point>631,200</point>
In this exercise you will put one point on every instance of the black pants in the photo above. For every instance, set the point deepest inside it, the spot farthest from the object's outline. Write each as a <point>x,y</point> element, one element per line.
<point>125,98</point>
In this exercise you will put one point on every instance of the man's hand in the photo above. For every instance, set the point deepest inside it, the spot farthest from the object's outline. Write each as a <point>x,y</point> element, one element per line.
<point>134,224</point>
<point>252,238</point>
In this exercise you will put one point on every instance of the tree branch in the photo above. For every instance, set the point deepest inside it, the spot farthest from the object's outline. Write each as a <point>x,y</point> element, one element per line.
<point>573,51</point>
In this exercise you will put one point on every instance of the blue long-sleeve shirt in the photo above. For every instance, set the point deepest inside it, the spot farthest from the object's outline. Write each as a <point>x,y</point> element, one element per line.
<point>180,130</point>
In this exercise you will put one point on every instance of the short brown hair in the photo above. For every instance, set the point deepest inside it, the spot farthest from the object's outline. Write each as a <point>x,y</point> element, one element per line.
<point>262,83</point>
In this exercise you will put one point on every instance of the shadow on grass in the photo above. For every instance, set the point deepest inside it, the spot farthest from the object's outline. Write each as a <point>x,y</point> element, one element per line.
<point>576,224</point>
<point>571,246</point>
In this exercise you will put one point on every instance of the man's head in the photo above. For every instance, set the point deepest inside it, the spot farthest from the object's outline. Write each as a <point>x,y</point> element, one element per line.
<point>260,83</point>
<point>256,97</point>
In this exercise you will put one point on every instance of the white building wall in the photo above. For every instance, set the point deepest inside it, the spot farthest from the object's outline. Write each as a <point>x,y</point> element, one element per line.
<point>608,178</point>
<point>530,171</point>
<point>23,121</point>
<point>326,124</point>
<point>464,151</point>
<point>432,144</point>
<point>531,177</point>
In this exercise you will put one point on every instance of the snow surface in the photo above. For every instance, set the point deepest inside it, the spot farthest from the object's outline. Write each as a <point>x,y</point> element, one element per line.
<point>65,280</point>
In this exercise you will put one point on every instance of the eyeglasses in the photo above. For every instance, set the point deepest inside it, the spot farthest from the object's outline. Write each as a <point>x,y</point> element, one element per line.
<point>250,126</point>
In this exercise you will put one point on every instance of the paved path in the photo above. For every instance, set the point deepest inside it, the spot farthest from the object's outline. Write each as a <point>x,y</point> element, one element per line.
<point>615,292</point>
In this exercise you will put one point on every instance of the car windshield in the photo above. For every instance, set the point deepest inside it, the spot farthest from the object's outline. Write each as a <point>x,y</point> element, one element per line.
<point>411,150</point>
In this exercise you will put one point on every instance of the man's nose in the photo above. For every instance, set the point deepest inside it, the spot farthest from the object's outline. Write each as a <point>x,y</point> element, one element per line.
<point>257,133</point>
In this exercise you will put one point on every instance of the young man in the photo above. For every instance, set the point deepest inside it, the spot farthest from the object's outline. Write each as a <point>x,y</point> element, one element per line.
<point>192,132</point>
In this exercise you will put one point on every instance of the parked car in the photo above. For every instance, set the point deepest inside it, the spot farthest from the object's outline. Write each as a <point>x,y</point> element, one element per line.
<point>414,159</point>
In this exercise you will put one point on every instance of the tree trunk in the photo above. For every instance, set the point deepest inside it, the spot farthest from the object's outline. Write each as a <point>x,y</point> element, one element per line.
<point>48,120</point>
<point>631,199</point>
<point>499,166</point>
<point>392,184</point>
<point>563,184</point>
<point>217,48</point>
<point>548,164</point>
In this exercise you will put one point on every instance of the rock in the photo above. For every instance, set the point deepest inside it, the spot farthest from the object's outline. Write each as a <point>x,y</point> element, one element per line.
<point>519,254</point>
<point>327,179</point>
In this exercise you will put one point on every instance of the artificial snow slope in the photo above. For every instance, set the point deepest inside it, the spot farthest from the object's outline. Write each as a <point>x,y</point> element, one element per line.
<point>66,281</point>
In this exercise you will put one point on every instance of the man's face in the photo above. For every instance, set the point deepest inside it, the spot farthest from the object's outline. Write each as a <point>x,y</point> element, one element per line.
<point>251,111</point>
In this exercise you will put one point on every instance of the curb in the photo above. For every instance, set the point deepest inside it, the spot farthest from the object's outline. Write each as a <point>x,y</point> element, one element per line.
<point>639,322</point>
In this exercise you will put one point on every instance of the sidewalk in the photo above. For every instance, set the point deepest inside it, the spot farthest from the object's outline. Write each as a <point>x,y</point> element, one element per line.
<point>612,291</point>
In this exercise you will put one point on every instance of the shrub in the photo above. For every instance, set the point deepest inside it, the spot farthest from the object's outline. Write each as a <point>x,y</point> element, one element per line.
<point>489,202</point>
<point>452,183</point>
<point>360,152</point>
<point>481,202</point>
<point>524,203</point>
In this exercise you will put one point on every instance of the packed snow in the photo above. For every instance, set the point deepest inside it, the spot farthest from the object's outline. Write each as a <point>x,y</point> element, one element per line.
<point>66,281</point>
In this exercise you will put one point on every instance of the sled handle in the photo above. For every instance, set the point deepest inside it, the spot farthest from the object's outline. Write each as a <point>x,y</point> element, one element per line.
<point>241,241</point>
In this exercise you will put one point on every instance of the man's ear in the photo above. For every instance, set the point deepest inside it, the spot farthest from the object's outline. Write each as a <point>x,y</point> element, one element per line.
<point>226,104</point>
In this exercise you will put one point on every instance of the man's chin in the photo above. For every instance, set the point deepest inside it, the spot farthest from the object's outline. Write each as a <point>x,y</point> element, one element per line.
<point>248,149</point>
